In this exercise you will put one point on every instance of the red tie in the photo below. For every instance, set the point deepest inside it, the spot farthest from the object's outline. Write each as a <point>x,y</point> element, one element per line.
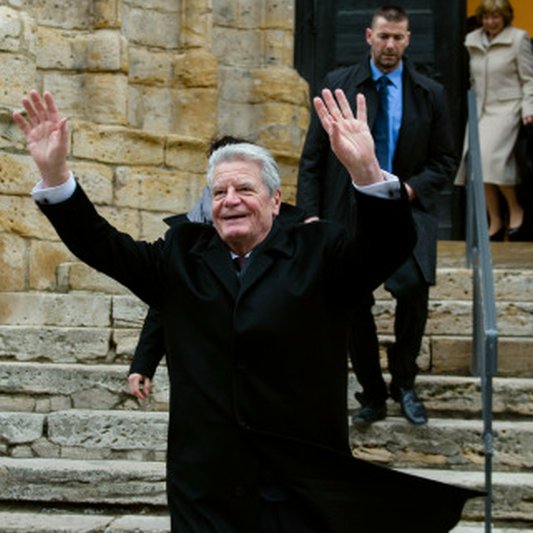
<point>239,262</point>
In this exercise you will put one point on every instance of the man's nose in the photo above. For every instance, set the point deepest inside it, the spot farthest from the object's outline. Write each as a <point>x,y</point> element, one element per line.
<point>231,197</point>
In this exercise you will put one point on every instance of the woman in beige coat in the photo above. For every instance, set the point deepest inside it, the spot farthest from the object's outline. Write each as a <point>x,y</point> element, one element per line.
<point>501,73</point>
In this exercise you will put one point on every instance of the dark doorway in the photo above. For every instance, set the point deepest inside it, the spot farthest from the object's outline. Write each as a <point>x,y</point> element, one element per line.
<point>330,33</point>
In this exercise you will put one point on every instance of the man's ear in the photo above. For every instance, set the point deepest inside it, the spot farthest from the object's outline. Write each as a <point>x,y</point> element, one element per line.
<point>276,202</point>
<point>368,35</point>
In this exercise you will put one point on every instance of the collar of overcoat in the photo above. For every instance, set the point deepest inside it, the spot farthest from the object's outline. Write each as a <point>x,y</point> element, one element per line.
<point>216,255</point>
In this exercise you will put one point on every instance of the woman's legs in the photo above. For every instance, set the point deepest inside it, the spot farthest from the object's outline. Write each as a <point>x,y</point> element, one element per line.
<point>516,211</point>
<point>492,199</point>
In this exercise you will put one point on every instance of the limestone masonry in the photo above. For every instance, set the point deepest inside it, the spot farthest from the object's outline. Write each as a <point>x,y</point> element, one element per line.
<point>146,85</point>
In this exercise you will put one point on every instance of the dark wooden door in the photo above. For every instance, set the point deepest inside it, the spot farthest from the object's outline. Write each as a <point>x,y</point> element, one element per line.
<point>331,33</point>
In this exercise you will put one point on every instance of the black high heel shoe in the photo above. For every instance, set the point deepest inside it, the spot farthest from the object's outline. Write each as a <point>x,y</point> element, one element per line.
<point>524,232</point>
<point>498,236</point>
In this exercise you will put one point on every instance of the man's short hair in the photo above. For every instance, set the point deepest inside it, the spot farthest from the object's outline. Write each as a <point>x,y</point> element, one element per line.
<point>391,13</point>
<point>247,152</point>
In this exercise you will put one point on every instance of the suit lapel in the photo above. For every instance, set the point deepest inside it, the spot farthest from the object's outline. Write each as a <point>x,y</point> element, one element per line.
<point>217,258</point>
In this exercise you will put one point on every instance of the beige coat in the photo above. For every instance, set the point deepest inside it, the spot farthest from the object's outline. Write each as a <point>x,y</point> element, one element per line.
<point>501,73</point>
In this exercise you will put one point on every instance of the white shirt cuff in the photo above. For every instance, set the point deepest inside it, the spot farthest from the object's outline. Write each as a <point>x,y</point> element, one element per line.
<point>54,195</point>
<point>389,188</point>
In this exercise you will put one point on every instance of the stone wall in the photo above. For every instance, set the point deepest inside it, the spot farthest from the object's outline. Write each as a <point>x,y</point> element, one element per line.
<point>146,85</point>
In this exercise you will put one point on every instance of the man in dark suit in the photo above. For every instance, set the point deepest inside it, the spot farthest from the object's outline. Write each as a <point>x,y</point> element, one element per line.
<point>416,145</point>
<point>258,436</point>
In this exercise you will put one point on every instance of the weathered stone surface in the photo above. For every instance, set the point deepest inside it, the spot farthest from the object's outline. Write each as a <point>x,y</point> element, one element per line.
<point>43,260</point>
<point>62,345</point>
<point>156,189</point>
<point>12,262</point>
<point>196,68</point>
<point>77,481</point>
<point>39,308</point>
<point>111,430</point>
<point>146,524</point>
<point>72,276</point>
<point>128,311</point>
<point>157,27</point>
<point>101,142</point>
<point>20,428</point>
<point>17,522</point>
<point>456,444</point>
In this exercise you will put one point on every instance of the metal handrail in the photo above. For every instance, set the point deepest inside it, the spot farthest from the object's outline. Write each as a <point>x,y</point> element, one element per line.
<point>485,332</point>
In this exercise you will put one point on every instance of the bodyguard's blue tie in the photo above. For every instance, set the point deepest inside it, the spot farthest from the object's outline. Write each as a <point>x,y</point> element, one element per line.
<point>381,131</point>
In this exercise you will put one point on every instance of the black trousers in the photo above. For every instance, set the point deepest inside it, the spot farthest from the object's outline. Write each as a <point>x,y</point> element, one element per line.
<point>411,293</point>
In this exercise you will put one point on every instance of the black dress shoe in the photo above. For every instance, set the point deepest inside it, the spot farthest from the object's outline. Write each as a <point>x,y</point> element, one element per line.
<point>369,414</point>
<point>498,236</point>
<point>412,407</point>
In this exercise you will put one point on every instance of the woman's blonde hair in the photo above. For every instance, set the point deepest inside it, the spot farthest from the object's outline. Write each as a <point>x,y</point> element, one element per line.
<point>502,7</point>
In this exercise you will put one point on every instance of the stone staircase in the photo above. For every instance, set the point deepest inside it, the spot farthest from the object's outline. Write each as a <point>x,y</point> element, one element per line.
<point>78,454</point>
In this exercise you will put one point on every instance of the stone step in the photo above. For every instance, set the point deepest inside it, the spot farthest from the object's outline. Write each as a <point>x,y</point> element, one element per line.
<point>46,522</point>
<point>132,483</point>
<point>512,493</point>
<point>444,443</point>
<point>90,482</point>
<point>46,387</point>
<point>141,436</point>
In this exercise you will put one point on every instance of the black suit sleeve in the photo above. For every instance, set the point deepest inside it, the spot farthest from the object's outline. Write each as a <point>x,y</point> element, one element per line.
<point>151,346</point>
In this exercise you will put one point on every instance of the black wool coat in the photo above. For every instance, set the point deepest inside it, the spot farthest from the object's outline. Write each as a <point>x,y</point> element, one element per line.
<point>257,365</point>
<point>425,157</point>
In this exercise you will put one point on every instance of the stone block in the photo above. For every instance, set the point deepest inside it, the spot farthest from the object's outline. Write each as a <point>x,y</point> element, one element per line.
<point>110,430</point>
<point>235,84</point>
<point>78,481</point>
<point>15,402</point>
<point>280,84</point>
<point>239,119</point>
<point>453,355</point>
<point>147,524</point>
<point>21,428</point>
<point>128,311</point>
<point>74,276</point>
<point>47,309</point>
<point>44,448</point>
<point>18,73</point>
<point>107,13</point>
<point>195,113</point>
<point>238,47</point>
<point>159,28</point>
<point>279,15</point>
<point>196,68</point>
<point>18,174</point>
<point>96,180</point>
<point>156,189</point>
<point>150,67</point>
<point>11,28</point>
<point>150,108</point>
<point>13,251</point>
<point>187,154</point>
<point>68,15</point>
<point>19,215</point>
<point>12,522</point>
<point>61,345</point>
<point>108,97</point>
<point>247,14</point>
<point>106,93</point>
<point>278,47</point>
<point>197,24</point>
<point>113,144</point>
<point>43,260</point>
<point>107,52</point>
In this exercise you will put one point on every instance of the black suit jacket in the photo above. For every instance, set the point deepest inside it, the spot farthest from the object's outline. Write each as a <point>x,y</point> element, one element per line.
<point>257,366</point>
<point>425,156</point>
